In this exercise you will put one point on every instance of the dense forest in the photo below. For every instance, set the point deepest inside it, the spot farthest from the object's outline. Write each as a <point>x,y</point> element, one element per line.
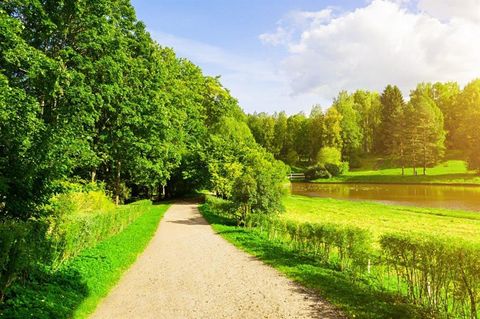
<point>437,117</point>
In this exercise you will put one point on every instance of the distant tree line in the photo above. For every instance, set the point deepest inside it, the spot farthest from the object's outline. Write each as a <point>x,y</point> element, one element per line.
<point>413,134</point>
<point>87,95</point>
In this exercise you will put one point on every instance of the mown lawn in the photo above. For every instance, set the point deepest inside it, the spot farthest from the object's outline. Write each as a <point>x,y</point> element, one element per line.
<point>382,218</point>
<point>76,288</point>
<point>448,172</point>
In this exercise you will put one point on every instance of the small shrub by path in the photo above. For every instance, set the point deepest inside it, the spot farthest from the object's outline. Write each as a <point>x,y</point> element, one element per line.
<point>76,287</point>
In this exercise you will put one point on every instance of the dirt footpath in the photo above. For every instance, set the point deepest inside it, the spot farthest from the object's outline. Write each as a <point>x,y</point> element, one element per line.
<point>188,271</point>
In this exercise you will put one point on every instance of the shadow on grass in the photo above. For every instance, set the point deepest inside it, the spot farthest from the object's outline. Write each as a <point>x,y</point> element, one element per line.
<point>45,295</point>
<point>355,297</point>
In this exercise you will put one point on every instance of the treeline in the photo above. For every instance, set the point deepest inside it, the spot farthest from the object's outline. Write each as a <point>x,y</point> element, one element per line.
<point>414,134</point>
<point>87,95</point>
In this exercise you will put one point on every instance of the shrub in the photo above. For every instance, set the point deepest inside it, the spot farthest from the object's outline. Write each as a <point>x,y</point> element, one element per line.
<point>350,247</point>
<point>92,218</point>
<point>22,243</point>
<point>337,169</point>
<point>440,274</point>
<point>316,172</point>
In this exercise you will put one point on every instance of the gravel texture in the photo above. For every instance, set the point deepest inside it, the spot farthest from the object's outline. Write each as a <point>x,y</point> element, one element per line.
<point>188,271</point>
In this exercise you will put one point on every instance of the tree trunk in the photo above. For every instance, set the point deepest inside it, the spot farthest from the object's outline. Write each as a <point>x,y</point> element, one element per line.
<point>117,183</point>
<point>94,175</point>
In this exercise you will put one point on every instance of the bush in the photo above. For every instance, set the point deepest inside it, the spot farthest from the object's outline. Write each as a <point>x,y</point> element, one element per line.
<point>316,172</point>
<point>80,220</point>
<point>440,274</point>
<point>337,169</point>
<point>347,246</point>
<point>22,243</point>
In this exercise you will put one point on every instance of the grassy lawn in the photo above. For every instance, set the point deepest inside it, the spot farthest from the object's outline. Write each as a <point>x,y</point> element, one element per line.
<point>449,172</point>
<point>78,286</point>
<point>358,298</point>
<point>382,218</point>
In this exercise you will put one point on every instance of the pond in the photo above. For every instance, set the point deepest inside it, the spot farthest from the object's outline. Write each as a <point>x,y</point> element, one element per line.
<point>436,196</point>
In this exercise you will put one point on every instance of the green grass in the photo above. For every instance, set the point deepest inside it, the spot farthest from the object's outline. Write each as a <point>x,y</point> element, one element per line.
<point>448,172</point>
<point>382,218</point>
<point>358,298</point>
<point>78,286</point>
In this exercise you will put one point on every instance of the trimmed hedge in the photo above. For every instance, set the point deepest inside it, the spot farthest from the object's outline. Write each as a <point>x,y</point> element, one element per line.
<point>76,221</point>
<point>440,274</point>
<point>70,234</point>
<point>347,246</point>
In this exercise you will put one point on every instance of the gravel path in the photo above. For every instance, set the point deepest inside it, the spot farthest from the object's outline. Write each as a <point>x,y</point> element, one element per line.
<point>188,271</point>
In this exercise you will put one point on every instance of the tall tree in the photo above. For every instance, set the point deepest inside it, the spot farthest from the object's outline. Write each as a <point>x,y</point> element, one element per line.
<point>315,134</point>
<point>332,132</point>
<point>427,134</point>
<point>468,132</point>
<point>368,107</point>
<point>392,105</point>
<point>350,128</point>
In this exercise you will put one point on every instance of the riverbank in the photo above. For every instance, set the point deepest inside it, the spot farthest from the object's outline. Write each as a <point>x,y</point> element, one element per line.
<point>452,172</point>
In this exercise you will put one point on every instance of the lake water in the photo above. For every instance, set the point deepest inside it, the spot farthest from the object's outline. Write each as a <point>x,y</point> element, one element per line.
<point>438,196</point>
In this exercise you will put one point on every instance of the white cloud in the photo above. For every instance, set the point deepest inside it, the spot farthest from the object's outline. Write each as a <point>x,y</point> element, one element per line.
<point>448,9</point>
<point>382,43</point>
<point>280,36</point>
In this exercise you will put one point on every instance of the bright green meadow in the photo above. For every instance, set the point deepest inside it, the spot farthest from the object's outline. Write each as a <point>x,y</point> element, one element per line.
<point>381,218</point>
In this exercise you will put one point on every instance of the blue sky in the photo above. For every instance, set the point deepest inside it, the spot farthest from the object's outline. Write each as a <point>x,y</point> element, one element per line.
<point>288,55</point>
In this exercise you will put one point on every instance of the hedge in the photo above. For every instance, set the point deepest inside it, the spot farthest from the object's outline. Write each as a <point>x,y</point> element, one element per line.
<point>75,221</point>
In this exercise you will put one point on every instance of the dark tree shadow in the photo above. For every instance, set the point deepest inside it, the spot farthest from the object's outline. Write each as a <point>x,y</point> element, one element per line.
<point>45,294</point>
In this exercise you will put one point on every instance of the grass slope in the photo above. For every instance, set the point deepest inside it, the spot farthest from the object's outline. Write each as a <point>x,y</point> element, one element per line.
<point>449,172</point>
<point>77,287</point>
<point>382,218</point>
<point>359,298</point>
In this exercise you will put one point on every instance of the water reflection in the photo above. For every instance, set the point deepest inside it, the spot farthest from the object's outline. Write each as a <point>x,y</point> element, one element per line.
<point>438,196</point>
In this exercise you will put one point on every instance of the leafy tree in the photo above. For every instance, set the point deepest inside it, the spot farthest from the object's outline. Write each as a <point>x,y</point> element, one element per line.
<point>445,96</point>
<point>350,128</point>
<point>368,107</point>
<point>329,155</point>
<point>427,134</point>
<point>468,133</point>
<point>315,134</point>
<point>332,131</point>
<point>392,106</point>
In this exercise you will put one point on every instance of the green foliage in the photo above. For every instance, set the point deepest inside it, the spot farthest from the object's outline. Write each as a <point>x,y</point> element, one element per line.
<point>316,172</point>
<point>329,155</point>
<point>337,169</point>
<point>440,274</point>
<point>76,287</point>
<point>350,124</point>
<point>81,220</point>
